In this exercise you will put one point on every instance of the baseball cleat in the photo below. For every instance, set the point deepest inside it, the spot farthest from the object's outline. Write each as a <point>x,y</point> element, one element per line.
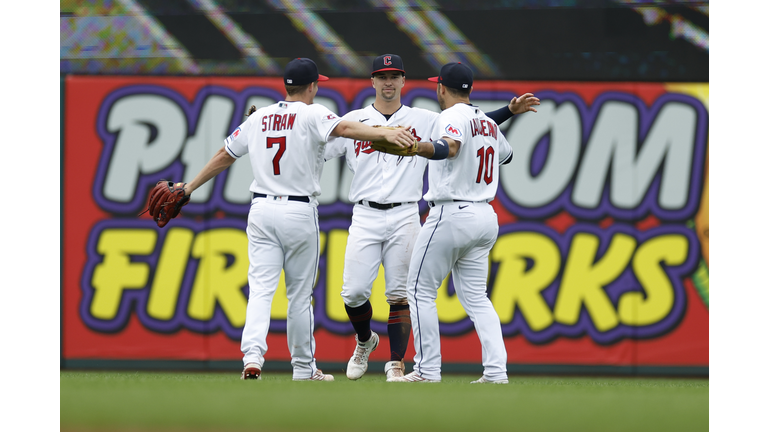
<point>318,376</point>
<point>358,364</point>
<point>413,377</point>
<point>484,380</point>
<point>251,371</point>
<point>394,369</point>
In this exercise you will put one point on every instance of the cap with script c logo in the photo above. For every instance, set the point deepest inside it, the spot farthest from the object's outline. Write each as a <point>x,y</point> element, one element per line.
<point>388,62</point>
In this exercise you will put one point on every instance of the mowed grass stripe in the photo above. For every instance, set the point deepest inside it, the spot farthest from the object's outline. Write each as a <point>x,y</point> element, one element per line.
<point>145,401</point>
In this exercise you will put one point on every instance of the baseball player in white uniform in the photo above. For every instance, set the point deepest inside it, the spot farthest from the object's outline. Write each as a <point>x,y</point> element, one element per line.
<point>286,142</point>
<point>385,219</point>
<point>461,228</point>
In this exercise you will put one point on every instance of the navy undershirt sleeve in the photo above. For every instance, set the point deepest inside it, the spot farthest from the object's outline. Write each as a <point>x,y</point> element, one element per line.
<point>500,115</point>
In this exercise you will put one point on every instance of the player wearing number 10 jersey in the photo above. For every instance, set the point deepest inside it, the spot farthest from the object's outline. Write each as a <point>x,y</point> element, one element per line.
<point>286,142</point>
<point>461,227</point>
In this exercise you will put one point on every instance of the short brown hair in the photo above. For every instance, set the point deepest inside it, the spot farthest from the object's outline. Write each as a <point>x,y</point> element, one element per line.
<point>458,93</point>
<point>296,89</point>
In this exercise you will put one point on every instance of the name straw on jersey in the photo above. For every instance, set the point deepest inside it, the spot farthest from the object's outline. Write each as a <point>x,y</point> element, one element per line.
<point>286,143</point>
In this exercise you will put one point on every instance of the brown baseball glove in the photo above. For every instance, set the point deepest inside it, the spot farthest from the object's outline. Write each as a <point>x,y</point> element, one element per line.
<point>165,201</point>
<point>385,146</point>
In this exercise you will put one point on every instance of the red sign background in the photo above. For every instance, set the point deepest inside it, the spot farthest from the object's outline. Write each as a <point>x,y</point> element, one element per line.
<point>687,344</point>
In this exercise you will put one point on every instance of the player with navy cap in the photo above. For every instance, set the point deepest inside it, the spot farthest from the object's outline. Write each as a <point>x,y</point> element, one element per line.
<point>461,228</point>
<point>464,155</point>
<point>285,143</point>
<point>385,219</point>
<point>302,71</point>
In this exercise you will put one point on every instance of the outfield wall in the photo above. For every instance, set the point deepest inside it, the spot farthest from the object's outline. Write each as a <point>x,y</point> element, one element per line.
<point>601,262</point>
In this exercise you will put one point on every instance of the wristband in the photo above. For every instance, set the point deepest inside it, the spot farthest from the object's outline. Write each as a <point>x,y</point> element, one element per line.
<point>441,149</point>
<point>500,115</point>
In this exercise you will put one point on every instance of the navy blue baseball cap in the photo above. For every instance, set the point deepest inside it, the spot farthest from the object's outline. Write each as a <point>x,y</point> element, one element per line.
<point>454,75</point>
<point>302,71</point>
<point>388,62</point>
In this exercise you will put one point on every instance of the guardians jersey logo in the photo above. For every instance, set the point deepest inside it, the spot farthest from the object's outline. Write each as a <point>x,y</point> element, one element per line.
<point>233,136</point>
<point>452,130</point>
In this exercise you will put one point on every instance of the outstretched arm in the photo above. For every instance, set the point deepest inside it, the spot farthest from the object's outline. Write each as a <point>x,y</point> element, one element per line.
<point>440,149</point>
<point>523,103</point>
<point>517,105</point>
<point>356,130</point>
<point>218,163</point>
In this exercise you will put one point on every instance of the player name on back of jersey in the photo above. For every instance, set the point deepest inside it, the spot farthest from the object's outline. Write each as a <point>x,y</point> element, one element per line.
<point>484,127</point>
<point>277,122</point>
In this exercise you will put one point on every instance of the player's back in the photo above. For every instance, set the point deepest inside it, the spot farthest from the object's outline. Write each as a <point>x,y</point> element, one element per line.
<point>285,144</point>
<point>473,173</point>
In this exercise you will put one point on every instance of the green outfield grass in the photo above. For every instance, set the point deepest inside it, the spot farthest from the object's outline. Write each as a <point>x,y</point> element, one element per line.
<point>148,401</point>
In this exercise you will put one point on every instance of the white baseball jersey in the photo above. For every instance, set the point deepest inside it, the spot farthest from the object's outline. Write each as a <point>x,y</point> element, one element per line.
<point>473,173</point>
<point>380,177</point>
<point>285,142</point>
<point>457,238</point>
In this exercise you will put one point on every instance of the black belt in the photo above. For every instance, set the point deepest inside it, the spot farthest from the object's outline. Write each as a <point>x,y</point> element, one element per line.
<point>290,197</point>
<point>378,206</point>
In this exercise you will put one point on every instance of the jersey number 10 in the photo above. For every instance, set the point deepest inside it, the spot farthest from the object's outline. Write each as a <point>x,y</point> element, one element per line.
<point>485,170</point>
<point>280,141</point>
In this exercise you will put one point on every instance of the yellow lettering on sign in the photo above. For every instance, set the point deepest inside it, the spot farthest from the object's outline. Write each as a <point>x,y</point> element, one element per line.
<point>164,296</point>
<point>640,309</point>
<point>584,278</point>
<point>215,282</point>
<point>116,272</point>
<point>514,286</point>
<point>323,239</point>
<point>334,272</point>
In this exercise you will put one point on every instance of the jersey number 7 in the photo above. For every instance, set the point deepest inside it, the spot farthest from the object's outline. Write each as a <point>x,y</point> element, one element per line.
<point>485,170</point>
<point>280,141</point>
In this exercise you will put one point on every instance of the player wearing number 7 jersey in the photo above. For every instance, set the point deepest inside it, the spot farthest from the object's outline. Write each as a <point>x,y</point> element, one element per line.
<point>286,142</point>
<point>461,227</point>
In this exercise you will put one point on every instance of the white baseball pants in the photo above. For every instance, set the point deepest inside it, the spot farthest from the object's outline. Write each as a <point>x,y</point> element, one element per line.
<point>379,237</point>
<point>456,237</point>
<point>282,234</point>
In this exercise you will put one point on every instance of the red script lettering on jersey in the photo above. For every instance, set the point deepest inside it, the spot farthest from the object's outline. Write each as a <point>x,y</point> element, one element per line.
<point>277,122</point>
<point>485,128</point>
<point>364,146</point>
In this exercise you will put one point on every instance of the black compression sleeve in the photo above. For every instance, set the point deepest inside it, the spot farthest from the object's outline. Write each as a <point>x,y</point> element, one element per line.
<point>500,115</point>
